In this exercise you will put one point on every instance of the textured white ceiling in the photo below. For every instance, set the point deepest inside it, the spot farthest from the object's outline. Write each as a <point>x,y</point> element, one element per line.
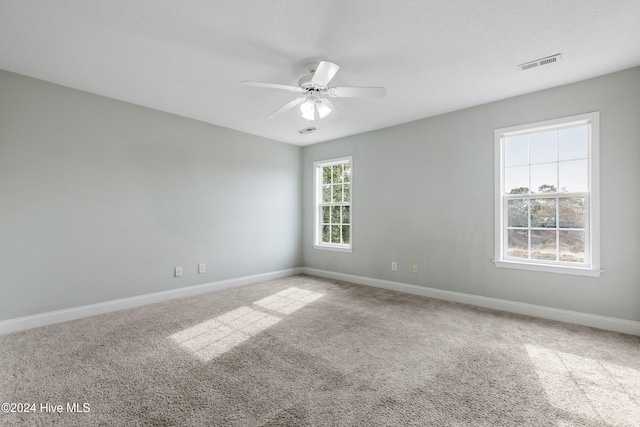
<point>189,57</point>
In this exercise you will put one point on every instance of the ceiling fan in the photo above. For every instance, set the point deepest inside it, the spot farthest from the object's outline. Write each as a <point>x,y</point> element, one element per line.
<point>314,103</point>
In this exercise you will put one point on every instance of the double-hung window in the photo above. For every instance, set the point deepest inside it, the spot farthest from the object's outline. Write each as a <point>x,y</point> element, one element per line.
<point>547,201</point>
<point>332,224</point>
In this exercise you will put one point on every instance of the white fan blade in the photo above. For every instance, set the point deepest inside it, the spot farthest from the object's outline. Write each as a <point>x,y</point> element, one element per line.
<point>334,115</point>
<point>324,73</point>
<point>273,86</point>
<point>286,107</point>
<point>357,92</point>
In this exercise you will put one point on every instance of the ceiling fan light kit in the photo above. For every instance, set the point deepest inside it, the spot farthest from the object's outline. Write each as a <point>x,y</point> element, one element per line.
<point>323,108</point>
<point>315,90</point>
<point>308,109</point>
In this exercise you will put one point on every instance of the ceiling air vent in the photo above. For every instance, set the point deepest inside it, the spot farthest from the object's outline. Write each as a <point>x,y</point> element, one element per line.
<point>306,131</point>
<point>540,62</point>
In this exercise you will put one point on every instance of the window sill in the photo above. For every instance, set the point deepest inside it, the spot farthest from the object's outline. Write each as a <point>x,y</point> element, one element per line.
<point>333,248</point>
<point>561,269</point>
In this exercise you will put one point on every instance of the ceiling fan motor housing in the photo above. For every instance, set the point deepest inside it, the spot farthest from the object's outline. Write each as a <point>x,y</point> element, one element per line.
<point>305,81</point>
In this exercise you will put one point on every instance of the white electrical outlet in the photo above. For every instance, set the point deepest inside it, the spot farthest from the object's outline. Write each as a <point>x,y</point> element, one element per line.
<point>201,268</point>
<point>415,268</point>
<point>394,266</point>
<point>178,271</point>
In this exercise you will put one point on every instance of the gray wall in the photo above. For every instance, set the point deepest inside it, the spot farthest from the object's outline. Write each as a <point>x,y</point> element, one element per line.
<point>424,194</point>
<point>100,200</point>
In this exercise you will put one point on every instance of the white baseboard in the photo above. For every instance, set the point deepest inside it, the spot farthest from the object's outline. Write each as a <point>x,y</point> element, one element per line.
<point>601,322</point>
<point>44,319</point>
<point>584,319</point>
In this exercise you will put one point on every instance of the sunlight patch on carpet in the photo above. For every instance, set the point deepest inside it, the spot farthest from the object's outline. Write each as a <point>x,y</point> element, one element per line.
<point>216,336</point>
<point>289,300</point>
<point>587,388</point>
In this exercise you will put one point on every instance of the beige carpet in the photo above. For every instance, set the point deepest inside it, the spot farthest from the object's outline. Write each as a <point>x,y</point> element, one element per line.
<point>309,351</point>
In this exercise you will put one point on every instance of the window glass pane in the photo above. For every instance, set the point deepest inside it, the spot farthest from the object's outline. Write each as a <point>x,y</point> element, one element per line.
<point>516,180</point>
<point>337,174</point>
<point>518,213</point>
<point>347,172</point>
<point>543,244</point>
<point>516,151</point>
<point>518,244</point>
<point>337,193</point>
<point>335,234</point>
<point>543,147</point>
<point>543,213</point>
<point>326,193</point>
<point>572,246</point>
<point>346,214</point>
<point>573,175</point>
<point>326,175</point>
<point>346,234</point>
<point>347,192</point>
<point>335,214</point>
<point>325,214</point>
<point>326,237</point>
<point>571,212</point>
<point>572,143</point>
<point>544,178</point>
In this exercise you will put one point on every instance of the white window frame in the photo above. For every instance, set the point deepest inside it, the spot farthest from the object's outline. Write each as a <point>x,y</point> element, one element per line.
<point>317,197</point>
<point>591,267</point>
